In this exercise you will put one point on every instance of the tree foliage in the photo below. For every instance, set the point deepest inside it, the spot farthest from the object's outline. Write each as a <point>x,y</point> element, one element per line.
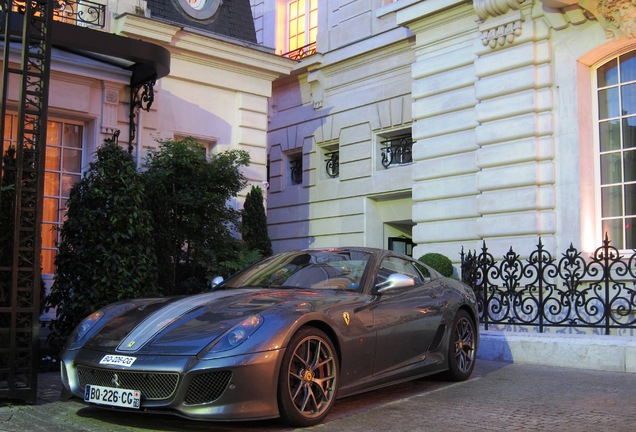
<point>194,227</point>
<point>254,223</point>
<point>106,250</point>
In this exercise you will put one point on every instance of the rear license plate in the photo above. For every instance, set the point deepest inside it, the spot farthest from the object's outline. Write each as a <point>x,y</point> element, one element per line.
<point>112,396</point>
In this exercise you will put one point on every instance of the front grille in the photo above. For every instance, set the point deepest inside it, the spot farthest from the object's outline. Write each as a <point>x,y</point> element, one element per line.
<point>152,385</point>
<point>207,387</point>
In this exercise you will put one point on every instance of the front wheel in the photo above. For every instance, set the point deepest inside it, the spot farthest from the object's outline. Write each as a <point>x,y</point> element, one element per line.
<point>308,378</point>
<point>462,347</point>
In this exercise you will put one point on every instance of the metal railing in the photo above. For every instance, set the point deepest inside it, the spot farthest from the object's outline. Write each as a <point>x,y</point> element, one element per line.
<point>397,151</point>
<point>332,164</point>
<point>302,52</point>
<point>577,292</point>
<point>83,13</point>
<point>296,170</point>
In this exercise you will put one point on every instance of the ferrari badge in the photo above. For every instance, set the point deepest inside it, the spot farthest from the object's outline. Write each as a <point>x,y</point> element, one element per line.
<point>346,317</point>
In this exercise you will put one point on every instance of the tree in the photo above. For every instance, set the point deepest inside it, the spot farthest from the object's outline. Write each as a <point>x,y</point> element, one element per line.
<point>254,223</point>
<point>106,250</point>
<point>194,226</point>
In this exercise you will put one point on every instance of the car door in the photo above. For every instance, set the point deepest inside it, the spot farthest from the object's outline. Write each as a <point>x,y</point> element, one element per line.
<point>405,319</point>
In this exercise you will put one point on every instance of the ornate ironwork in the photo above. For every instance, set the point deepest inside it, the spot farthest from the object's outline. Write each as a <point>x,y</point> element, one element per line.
<point>333,164</point>
<point>397,151</point>
<point>84,13</point>
<point>302,52</point>
<point>21,192</point>
<point>80,12</point>
<point>597,292</point>
<point>296,168</point>
<point>141,97</point>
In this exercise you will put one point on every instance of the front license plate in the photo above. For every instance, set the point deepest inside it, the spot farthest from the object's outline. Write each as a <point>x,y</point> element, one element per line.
<point>112,396</point>
<point>117,360</point>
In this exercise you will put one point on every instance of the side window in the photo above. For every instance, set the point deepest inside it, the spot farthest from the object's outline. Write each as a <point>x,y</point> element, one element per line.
<point>391,265</point>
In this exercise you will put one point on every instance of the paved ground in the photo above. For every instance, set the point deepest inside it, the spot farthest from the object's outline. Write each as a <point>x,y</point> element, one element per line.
<point>498,397</point>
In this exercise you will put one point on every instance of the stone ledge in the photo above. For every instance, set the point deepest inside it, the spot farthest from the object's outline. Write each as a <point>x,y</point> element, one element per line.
<point>608,353</point>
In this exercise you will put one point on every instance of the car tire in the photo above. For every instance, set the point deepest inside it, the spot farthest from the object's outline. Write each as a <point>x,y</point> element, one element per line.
<point>462,349</point>
<point>308,378</point>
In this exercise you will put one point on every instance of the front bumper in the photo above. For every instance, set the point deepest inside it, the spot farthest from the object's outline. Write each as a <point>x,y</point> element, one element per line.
<point>241,387</point>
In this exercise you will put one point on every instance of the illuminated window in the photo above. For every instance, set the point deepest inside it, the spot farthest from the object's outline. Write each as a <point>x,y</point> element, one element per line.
<point>616,89</point>
<point>302,27</point>
<point>62,169</point>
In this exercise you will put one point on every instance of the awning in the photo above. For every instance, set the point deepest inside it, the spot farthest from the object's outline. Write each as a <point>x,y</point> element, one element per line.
<point>147,61</point>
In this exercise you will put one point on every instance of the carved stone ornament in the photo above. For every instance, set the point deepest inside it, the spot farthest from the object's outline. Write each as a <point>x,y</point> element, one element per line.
<point>500,33</point>
<point>618,17</point>
<point>501,21</point>
<point>493,8</point>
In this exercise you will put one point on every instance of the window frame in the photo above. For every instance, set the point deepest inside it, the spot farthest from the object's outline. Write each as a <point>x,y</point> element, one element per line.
<point>62,199</point>
<point>308,29</point>
<point>47,224</point>
<point>600,218</point>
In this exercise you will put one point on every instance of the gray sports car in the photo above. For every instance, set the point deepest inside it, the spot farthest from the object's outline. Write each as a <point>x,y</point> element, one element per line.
<point>283,338</point>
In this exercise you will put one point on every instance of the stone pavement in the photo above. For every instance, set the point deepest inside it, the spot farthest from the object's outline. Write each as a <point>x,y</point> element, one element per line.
<point>498,397</point>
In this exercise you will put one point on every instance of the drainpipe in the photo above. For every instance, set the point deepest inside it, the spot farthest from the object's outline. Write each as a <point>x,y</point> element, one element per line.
<point>138,141</point>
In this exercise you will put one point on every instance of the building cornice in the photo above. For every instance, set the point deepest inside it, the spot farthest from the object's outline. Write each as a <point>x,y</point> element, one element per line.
<point>205,47</point>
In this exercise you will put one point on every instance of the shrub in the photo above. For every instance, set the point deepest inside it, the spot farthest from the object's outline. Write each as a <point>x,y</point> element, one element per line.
<point>106,251</point>
<point>254,223</point>
<point>194,227</point>
<point>438,262</point>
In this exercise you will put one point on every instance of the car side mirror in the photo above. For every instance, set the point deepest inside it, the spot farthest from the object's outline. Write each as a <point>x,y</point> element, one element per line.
<point>394,281</point>
<point>216,281</point>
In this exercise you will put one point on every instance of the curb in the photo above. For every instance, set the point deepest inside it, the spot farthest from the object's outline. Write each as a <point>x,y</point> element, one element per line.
<point>597,352</point>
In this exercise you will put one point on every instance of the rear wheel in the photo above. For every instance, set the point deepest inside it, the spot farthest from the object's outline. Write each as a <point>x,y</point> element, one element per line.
<point>461,347</point>
<point>308,378</point>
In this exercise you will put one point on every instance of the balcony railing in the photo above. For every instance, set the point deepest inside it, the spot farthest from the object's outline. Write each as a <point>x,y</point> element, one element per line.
<point>302,52</point>
<point>397,151</point>
<point>296,168</point>
<point>83,13</point>
<point>332,165</point>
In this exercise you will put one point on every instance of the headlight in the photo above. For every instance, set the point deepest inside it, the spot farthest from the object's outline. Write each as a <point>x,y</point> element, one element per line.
<point>237,334</point>
<point>82,329</point>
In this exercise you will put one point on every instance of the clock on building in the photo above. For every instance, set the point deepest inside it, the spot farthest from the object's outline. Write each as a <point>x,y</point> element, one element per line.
<point>200,9</point>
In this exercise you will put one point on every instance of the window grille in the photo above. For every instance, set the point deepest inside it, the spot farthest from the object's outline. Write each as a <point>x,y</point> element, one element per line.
<point>397,150</point>
<point>332,165</point>
<point>296,168</point>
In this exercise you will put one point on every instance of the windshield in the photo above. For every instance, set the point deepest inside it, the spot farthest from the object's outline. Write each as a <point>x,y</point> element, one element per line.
<point>315,269</point>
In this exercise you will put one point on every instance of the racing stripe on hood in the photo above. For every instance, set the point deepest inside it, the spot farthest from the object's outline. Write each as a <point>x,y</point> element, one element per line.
<point>159,320</point>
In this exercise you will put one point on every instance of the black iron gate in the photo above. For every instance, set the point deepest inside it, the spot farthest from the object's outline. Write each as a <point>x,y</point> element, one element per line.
<point>26,65</point>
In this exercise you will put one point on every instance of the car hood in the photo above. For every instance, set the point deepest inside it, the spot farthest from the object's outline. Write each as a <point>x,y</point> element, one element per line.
<point>186,325</point>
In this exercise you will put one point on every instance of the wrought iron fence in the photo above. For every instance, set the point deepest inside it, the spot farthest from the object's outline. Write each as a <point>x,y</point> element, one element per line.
<point>576,291</point>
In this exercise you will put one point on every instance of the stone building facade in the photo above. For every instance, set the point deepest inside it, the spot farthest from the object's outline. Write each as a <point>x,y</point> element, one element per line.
<point>521,114</point>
